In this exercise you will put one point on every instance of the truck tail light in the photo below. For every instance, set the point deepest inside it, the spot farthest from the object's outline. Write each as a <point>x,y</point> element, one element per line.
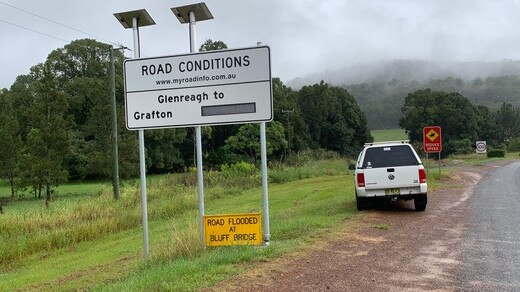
<point>422,176</point>
<point>360,179</point>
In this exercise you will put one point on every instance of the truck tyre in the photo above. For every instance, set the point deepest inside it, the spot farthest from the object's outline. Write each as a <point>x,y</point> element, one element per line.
<point>361,203</point>
<point>420,202</point>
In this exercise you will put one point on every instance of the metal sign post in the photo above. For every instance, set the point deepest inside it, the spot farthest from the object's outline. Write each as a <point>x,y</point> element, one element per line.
<point>265,195</point>
<point>198,136</point>
<point>432,141</point>
<point>139,18</point>
<point>142,161</point>
<point>196,12</point>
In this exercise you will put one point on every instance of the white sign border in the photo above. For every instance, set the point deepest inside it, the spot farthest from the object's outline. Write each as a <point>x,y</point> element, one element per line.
<point>231,122</point>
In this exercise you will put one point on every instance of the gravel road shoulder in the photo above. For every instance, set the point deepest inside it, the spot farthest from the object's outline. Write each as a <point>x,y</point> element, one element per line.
<point>392,248</point>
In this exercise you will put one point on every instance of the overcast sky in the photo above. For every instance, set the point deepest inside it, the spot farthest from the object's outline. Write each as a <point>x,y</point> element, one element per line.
<point>305,36</point>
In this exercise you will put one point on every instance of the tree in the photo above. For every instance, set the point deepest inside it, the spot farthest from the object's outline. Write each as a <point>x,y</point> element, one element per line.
<point>508,120</point>
<point>81,58</point>
<point>48,140</point>
<point>22,93</point>
<point>81,69</point>
<point>10,140</point>
<point>454,113</point>
<point>246,143</point>
<point>163,150</point>
<point>488,128</point>
<point>91,146</point>
<point>334,119</point>
<point>286,110</point>
<point>33,162</point>
<point>210,45</point>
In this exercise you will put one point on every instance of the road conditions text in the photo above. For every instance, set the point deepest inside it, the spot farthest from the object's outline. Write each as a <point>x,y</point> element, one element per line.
<point>196,65</point>
<point>168,99</point>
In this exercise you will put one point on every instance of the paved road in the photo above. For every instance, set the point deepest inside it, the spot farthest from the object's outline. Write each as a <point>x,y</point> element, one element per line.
<point>491,249</point>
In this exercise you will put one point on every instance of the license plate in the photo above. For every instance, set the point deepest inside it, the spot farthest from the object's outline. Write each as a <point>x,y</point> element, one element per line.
<point>392,192</point>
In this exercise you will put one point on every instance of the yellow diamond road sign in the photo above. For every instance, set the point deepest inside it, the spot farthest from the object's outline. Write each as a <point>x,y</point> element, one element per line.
<point>432,135</point>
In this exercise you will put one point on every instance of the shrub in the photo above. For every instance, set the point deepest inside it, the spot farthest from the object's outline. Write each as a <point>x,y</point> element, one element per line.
<point>463,146</point>
<point>514,145</point>
<point>496,153</point>
<point>305,156</point>
<point>239,168</point>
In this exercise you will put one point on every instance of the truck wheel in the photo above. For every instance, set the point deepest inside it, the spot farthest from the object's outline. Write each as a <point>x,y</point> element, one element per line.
<point>361,203</point>
<point>420,202</point>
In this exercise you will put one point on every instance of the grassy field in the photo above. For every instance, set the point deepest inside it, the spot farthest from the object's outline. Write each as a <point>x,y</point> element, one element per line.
<point>92,242</point>
<point>389,135</point>
<point>88,241</point>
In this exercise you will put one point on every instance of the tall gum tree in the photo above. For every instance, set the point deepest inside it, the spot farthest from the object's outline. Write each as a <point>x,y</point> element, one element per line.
<point>10,140</point>
<point>49,137</point>
<point>82,71</point>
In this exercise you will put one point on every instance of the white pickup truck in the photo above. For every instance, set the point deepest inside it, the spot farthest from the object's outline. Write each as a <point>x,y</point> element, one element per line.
<point>390,170</point>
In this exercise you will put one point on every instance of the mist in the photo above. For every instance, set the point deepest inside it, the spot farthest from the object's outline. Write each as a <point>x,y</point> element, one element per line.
<point>409,70</point>
<point>307,37</point>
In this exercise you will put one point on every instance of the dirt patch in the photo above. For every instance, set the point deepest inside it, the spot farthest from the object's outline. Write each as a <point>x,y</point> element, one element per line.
<point>415,251</point>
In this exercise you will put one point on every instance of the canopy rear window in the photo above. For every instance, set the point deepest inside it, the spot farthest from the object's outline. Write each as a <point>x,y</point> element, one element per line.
<point>389,156</point>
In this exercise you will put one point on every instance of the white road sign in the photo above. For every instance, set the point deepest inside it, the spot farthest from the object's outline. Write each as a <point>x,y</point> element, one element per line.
<point>481,147</point>
<point>208,88</point>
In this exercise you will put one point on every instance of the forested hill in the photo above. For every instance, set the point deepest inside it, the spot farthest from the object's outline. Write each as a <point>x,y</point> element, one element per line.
<point>380,88</point>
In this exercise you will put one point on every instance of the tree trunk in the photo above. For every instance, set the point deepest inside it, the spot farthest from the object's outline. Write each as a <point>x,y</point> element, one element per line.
<point>48,195</point>
<point>11,183</point>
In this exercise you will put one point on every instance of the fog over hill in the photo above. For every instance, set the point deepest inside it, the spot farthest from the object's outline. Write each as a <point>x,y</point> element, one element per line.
<point>409,70</point>
<point>380,87</point>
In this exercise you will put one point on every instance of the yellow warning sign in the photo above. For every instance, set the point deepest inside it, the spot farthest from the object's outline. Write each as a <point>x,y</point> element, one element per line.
<point>432,135</point>
<point>233,229</point>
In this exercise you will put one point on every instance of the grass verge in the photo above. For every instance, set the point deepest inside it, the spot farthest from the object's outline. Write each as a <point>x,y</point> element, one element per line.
<point>299,211</point>
<point>312,201</point>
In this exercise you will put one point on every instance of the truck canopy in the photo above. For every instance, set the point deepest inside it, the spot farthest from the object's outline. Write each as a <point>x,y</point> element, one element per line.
<point>389,156</point>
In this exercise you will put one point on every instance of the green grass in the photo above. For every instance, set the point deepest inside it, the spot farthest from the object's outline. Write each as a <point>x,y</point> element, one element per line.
<point>88,241</point>
<point>479,159</point>
<point>299,210</point>
<point>389,135</point>
<point>5,190</point>
<point>63,195</point>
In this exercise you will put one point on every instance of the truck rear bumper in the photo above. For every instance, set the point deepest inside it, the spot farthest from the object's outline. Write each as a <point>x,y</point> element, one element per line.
<point>404,193</point>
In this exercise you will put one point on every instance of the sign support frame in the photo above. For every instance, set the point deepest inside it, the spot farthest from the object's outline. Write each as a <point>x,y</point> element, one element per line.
<point>426,147</point>
<point>198,142</point>
<point>142,159</point>
<point>265,192</point>
<point>135,19</point>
